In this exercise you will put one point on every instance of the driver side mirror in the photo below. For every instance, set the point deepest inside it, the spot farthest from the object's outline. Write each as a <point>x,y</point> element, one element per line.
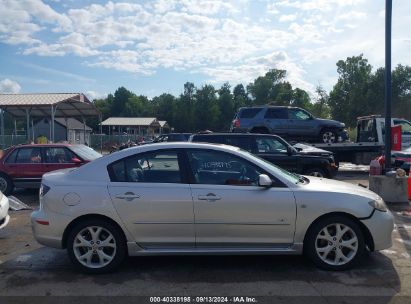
<point>264,181</point>
<point>76,160</point>
<point>289,151</point>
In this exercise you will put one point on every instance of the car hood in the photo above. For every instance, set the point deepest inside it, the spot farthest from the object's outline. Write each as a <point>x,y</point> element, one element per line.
<point>329,122</point>
<point>306,149</point>
<point>334,186</point>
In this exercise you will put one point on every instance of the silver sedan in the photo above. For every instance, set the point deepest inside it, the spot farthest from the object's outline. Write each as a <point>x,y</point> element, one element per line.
<point>189,198</point>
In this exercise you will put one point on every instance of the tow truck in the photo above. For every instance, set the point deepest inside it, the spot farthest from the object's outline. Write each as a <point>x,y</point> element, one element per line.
<point>369,141</point>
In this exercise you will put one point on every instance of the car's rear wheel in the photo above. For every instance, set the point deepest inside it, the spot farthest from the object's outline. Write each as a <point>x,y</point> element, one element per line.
<point>328,136</point>
<point>96,246</point>
<point>335,243</point>
<point>6,184</point>
<point>318,172</point>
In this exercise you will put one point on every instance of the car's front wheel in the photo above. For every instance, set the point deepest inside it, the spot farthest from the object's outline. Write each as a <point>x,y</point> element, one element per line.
<point>96,246</point>
<point>335,243</point>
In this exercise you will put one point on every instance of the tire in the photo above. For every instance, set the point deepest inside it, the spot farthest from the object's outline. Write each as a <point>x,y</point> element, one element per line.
<point>6,184</point>
<point>323,250</point>
<point>260,131</point>
<point>318,172</point>
<point>328,136</point>
<point>97,258</point>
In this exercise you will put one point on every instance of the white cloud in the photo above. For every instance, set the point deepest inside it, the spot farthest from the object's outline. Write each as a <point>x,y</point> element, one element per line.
<point>286,18</point>
<point>95,95</point>
<point>352,15</point>
<point>9,86</point>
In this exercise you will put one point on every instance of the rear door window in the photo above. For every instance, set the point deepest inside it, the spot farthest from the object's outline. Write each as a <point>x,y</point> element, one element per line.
<point>249,113</point>
<point>276,113</point>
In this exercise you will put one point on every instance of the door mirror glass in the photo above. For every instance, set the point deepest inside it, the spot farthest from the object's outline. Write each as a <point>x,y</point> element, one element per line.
<point>264,180</point>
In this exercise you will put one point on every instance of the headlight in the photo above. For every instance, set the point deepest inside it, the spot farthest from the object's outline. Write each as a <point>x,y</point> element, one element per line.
<point>379,205</point>
<point>43,190</point>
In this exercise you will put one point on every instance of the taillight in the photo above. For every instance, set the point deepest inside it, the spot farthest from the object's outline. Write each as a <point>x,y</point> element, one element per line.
<point>236,123</point>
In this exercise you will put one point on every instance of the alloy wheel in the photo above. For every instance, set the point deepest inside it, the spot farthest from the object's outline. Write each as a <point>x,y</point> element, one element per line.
<point>336,244</point>
<point>329,137</point>
<point>3,184</point>
<point>94,247</point>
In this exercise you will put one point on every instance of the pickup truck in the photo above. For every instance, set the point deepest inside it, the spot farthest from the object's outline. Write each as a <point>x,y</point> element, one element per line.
<point>298,159</point>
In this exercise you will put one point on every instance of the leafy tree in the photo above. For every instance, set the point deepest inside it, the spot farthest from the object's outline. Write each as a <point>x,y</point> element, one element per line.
<point>226,107</point>
<point>347,98</point>
<point>240,97</point>
<point>320,108</point>
<point>207,112</point>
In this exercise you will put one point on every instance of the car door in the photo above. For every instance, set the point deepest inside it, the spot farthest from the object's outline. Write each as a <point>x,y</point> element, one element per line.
<point>231,210</point>
<point>276,119</point>
<point>56,158</point>
<point>275,151</point>
<point>25,166</point>
<point>300,123</point>
<point>152,197</point>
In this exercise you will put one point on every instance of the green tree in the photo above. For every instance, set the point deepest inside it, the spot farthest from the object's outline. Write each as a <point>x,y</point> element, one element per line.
<point>265,88</point>
<point>320,108</point>
<point>207,112</point>
<point>226,107</point>
<point>240,97</point>
<point>347,98</point>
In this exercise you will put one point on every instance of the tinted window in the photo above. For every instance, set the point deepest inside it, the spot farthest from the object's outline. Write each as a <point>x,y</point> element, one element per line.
<point>153,167</point>
<point>249,112</point>
<point>12,156</point>
<point>29,155</point>
<point>208,139</point>
<point>298,114</point>
<point>219,168</point>
<point>270,145</point>
<point>58,155</point>
<point>243,142</point>
<point>278,113</point>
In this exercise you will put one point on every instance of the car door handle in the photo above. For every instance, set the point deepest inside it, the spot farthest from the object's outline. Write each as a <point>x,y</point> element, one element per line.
<point>128,196</point>
<point>210,197</point>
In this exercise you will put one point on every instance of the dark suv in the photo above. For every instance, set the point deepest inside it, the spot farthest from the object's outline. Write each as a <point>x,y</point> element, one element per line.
<point>277,151</point>
<point>290,122</point>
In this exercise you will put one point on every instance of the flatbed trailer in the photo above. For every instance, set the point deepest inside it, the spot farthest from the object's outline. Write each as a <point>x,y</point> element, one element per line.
<point>369,142</point>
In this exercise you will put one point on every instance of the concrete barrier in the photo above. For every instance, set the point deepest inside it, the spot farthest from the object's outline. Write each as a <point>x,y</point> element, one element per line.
<point>391,189</point>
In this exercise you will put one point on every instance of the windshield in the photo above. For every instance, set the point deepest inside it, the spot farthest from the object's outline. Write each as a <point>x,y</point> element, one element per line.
<point>85,152</point>
<point>291,177</point>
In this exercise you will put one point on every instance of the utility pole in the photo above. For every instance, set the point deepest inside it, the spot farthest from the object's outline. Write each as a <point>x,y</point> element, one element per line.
<point>387,96</point>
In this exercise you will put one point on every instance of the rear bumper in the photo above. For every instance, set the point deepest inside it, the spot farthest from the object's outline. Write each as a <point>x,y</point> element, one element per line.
<point>380,225</point>
<point>50,234</point>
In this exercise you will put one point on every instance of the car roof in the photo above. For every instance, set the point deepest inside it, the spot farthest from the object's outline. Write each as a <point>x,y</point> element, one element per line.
<point>270,106</point>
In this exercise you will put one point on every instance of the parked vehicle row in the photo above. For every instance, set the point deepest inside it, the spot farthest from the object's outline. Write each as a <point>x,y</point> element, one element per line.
<point>192,198</point>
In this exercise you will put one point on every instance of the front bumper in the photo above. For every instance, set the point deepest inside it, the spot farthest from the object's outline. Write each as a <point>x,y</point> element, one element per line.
<point>380,225</point>
<point>343,135</point>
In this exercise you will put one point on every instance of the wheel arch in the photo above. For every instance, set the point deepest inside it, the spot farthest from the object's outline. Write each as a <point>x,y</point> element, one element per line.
<point>86,217</point>
<point>369,241</point>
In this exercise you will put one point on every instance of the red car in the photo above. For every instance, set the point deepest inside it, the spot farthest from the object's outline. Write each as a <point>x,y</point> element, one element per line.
<point>23,166</point>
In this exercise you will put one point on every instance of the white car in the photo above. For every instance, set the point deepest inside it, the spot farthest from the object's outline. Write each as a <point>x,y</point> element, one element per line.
<point>4,210</point>
<point>191,198</point>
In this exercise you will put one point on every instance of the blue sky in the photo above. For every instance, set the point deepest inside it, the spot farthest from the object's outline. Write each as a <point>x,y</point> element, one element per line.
<point>153,47</point>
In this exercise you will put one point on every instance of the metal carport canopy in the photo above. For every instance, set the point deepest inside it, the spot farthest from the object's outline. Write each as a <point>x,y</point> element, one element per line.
<point>47,104</point>
<point>40,105</point>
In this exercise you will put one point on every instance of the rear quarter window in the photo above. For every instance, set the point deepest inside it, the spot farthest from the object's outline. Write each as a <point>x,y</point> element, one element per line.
<point>249,113</point>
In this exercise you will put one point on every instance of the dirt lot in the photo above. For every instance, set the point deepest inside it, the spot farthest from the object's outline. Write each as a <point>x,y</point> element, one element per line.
<point>28,269</point>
